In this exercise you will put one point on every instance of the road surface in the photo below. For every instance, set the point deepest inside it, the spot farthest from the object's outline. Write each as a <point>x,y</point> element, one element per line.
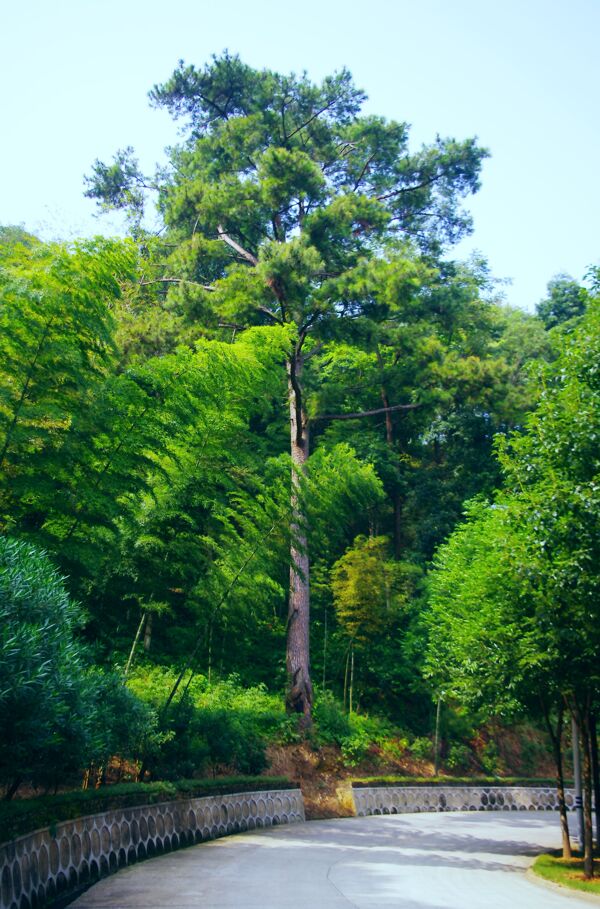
<point>410,861</point>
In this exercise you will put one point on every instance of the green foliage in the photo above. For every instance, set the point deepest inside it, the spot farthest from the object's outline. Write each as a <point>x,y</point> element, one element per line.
<point>566,300</point>
<point>210,726</point>
<point>489,758</point>
<point>69,428</point>
<point>553,470</point>
<point>356,734</point>
<point>513,593</point>
<point>421,748</point>
<point>56,715</point>
<point>369,588</point>
<point>482,626</point>
<point>453,781</point>
<point>121,184</point>
<point>331,719</point>
<point>365,732</point>
<point>341,492</point>
<point>458,757</point>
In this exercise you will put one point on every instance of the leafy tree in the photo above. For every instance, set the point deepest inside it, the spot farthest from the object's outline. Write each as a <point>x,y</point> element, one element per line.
<point>514,591</point>
<point>58,393</point>
<point>56,715</point>
<point>372,595</point>
<point>491,646</point>
<point>464,362</point>
<point>556,466</point>
<point>289,208</point>
<point>12,235</point>
<point>365,587</point>
<point>566,300</point>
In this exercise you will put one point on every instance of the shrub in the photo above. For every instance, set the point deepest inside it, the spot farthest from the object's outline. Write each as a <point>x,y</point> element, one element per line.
<point>57,714</point>
<point>421,749</point>
<point>331,721</point>
<point>355,733</point>
<point>458,757</point>
<point>209,727</point>
<point>489,757</point>
<point>23,816</point>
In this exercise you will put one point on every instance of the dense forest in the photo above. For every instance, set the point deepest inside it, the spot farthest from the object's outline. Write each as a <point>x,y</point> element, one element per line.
<point>283,451</point>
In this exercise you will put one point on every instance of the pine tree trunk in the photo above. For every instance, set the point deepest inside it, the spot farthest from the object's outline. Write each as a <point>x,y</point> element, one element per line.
<point>299,695</point>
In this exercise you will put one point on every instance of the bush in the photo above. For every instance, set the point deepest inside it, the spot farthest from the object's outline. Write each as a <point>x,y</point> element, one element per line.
<point>209,727</point>
<point>57,715</point>
<point>23,816</point>
<point>459,757</point>
<point>421,749</point>
<point>331,721</point>
<point>355,733</point>
<point>489,758</point>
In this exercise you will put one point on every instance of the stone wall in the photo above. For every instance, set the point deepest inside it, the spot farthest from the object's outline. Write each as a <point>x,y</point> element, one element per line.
<point>411,799</point>
<point>38,868</point>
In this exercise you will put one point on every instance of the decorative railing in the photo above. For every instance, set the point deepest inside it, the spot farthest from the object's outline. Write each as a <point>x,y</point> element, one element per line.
<point>412,799</point>
<point>39,868</point>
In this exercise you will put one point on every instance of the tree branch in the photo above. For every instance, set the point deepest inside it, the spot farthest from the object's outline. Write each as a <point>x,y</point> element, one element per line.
<point>315,350</point>
<point>232,325</point>
<point>408,189</point>
<point>271,315</point>
<point>239,249</point>
<point>176,281</point>
<point>314,117</point>
<point>364,413</point>
<point>363,172</point>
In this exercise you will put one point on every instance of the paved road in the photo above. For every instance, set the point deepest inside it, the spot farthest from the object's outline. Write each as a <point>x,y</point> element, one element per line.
<point>418,861</point>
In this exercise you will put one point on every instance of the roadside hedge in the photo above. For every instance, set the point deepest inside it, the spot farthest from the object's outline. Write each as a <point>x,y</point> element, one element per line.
<point>380,781</point>
<point>26,815</point>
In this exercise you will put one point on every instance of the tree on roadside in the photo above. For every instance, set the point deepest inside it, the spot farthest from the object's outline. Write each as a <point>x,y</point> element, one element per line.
<point>488,647</point>
<point>515,592</point>
<point>287,207</point>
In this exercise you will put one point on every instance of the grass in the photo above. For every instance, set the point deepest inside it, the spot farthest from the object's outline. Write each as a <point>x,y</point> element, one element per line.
<point>567,872</point>
<point>452,781</point>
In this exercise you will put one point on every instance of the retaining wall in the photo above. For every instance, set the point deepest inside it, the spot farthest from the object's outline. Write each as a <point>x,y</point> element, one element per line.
<point>412,799</point>
<point>37,869</point>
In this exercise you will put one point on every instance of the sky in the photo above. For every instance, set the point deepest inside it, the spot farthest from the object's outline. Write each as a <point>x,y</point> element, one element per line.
<point>521,75</point>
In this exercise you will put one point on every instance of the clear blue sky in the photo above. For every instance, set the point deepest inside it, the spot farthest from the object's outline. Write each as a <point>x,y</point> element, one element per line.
<point>522,75</point>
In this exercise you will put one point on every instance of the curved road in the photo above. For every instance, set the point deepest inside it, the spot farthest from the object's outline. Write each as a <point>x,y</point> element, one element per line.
<point>410,861</point>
